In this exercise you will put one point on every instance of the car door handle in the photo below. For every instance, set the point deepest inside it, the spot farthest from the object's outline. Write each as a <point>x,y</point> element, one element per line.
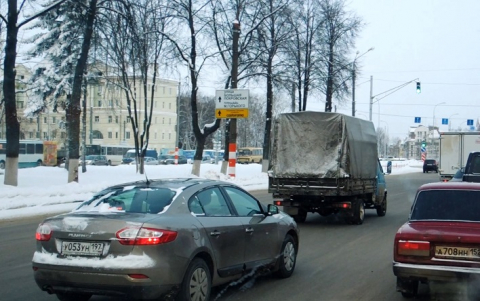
<point>215,233</point>
<point>249,230</point>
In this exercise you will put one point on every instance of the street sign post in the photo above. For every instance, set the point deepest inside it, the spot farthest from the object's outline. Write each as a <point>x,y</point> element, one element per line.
<point>231,103</point>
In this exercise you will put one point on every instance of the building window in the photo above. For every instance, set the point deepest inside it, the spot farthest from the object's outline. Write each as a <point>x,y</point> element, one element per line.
<point>54,119</point>
<point>30,135</point>
<point>170,91</point>
<point>116,119</point>
<point>63,135</point>
<point>163,105</point>
<point>45,135</point>
<point>31,120</point>
<point>169,105</point>
<point>127,135</point>
<point>19,104</point>
<point>99,103</point>
<point>110,135</point>
<point>163,136</point>
<point>116,135</point>
<point>155,136</point>
<point>128,119</point>
<point>110,103</point>
<point>109,119</point>
<point>97,118</point>
<point>45,120</point>
<point>169,120</point>
<point>54,135</point>
<point>163,120</point>
<point>169,136</point>
<point>155,104</point>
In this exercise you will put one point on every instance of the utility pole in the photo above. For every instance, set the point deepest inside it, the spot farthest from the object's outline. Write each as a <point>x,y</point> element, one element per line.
<point>353,89</point>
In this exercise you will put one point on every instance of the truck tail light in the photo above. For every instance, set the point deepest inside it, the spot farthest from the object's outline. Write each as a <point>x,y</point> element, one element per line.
<point>413,248</point>
<point>145,236</point>
<point>44,232</point>
<point>346,205</point>
<point>277,203</point>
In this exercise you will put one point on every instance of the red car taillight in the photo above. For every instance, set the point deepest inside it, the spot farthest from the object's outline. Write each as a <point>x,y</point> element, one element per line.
<point>145,236</point>
<point>44,233</point>
<point>413,248</point>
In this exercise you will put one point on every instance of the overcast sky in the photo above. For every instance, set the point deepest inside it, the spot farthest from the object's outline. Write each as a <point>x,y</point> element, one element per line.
<point>437,41</point>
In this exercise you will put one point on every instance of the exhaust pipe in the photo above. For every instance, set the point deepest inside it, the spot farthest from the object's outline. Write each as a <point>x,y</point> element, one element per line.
<point>49,290</point>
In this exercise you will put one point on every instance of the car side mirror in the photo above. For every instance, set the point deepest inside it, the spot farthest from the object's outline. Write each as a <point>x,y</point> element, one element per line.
<point>272,209</point>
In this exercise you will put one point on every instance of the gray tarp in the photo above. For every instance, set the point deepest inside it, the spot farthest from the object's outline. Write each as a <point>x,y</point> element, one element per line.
<point>324,145</point>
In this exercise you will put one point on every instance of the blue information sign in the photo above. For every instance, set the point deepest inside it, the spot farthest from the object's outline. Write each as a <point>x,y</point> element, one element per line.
<point>469,121</point>
<point>444,120</point>
<point>418,119</point>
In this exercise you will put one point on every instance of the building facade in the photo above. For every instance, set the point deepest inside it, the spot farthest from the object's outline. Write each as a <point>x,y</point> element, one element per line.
<point>107,121</point>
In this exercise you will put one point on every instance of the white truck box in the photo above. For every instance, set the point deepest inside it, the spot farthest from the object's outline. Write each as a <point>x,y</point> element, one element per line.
<point>454,150</point>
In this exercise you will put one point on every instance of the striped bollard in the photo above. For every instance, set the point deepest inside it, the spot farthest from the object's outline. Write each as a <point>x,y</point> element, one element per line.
<point>176,155</point>
<point>232,159</point>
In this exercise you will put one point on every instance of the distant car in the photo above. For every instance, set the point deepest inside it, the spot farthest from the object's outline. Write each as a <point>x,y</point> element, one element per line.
<point>441,239</point>
<point>170,159</point>
<point>147,161</point>
<point>458,176</point>
<point>95,160</point>
<point>430,165</point>
<point>157,238</point>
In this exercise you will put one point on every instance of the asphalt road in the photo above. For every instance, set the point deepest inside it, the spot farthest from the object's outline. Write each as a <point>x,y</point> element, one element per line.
<point>336,261</point>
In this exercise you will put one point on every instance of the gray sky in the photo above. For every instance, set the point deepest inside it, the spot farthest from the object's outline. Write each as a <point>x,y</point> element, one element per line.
<point>437,41</point>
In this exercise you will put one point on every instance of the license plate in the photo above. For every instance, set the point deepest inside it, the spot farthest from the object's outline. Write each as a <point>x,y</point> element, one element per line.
<point>82,248</point>
<point>457,252</point>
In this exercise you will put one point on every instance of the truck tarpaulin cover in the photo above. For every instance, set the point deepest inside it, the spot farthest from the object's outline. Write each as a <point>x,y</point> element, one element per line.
<point>324,145</point>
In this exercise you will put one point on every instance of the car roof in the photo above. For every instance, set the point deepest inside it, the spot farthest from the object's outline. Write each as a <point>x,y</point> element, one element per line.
<point>173,183</point>
<point>450,186</point>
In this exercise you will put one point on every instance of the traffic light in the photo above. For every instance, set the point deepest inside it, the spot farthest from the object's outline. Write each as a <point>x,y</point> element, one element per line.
<point>419,89</point>
<point>424,143</point>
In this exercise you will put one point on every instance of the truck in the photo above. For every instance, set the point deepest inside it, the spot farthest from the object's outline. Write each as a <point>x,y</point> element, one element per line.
<point>326,163</point>
<point>454,150</point>
<point>472,168</point>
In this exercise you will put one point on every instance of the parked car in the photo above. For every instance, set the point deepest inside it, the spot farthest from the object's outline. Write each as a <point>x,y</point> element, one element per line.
<point>153,238</point>
<point>430,165</point>
<point>147,161</point>
<point>441,239</point>
<point>170,159</point>
<point>95,160</point>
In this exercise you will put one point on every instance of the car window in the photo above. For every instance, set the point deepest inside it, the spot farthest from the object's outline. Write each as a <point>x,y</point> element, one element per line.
<point>455,205</point>
<point>209,202</point>
<point>243,203</point>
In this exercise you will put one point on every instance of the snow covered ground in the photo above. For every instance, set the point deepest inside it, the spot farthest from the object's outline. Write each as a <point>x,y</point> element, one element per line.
<point>44,190</point>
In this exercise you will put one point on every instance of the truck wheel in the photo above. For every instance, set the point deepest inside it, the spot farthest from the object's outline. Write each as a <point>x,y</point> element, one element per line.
<point>301,216</point>
<point>382,208</point>
<point>358,212</point>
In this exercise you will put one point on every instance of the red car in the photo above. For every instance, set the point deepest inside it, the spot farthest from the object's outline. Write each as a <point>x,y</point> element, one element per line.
<point>441,239</point>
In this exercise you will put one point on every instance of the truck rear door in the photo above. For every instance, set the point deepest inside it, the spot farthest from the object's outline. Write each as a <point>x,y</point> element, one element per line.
<point>450,154</point>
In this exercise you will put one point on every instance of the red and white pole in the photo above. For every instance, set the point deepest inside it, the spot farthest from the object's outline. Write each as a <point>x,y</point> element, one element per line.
<point>176,155</point>
<point>232,159</point>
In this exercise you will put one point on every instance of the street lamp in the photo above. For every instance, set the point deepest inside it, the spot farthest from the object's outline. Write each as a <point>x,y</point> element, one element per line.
<point>442,103</point>
<point>386,137</point>
<point>450,122</point>
<point>353,77</point>
<point>432,144</point>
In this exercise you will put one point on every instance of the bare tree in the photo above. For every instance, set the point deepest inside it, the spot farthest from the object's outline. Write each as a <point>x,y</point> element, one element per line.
<point>340,29</point>
<point>12,125</point>
<point>190,17</point>
<point>134,45</point>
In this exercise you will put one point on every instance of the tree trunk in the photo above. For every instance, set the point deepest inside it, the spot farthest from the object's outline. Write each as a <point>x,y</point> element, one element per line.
<point>11,119</point>
<point>73,109</point>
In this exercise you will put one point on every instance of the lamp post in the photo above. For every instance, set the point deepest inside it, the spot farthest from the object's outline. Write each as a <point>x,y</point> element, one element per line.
<point>432,144</point>
<point>353,77</point>
<point>386,137</point>
<point>450,122</point>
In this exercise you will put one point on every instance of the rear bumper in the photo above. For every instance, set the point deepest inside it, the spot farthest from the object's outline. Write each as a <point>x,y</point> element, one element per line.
<point>52,280</point>
<point>433,273</point>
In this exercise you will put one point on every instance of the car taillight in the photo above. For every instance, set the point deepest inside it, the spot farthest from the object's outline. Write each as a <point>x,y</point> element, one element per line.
<point>145,236</point>
<point>413,248</point>
<point>44,233</point>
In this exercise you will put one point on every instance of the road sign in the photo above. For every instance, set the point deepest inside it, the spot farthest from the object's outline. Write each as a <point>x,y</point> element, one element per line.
<point>469,121</point>
<point>444,120</point>
<point>418,119</point>
<point>231,113</point>
<point>231,103</point>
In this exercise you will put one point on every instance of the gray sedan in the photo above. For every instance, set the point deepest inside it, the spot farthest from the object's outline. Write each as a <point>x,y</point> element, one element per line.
<point>162,238</point>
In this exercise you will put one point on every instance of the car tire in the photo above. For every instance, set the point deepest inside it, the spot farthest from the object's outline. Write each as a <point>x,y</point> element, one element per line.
<point>197,282</point>
<point>408,288</point>
<point>288,258</point>
<point>301,216</point>
<point>358,212</point>
<point>382,208</point>
<point>73,297</point>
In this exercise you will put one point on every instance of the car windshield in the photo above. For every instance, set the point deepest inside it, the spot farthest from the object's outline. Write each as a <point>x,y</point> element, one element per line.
<point>129,199</point>
<point>452,205</point>
<point>90,157</point>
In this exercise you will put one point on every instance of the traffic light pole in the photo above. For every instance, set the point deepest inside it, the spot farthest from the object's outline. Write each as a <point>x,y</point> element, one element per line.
<point>388,92</point>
